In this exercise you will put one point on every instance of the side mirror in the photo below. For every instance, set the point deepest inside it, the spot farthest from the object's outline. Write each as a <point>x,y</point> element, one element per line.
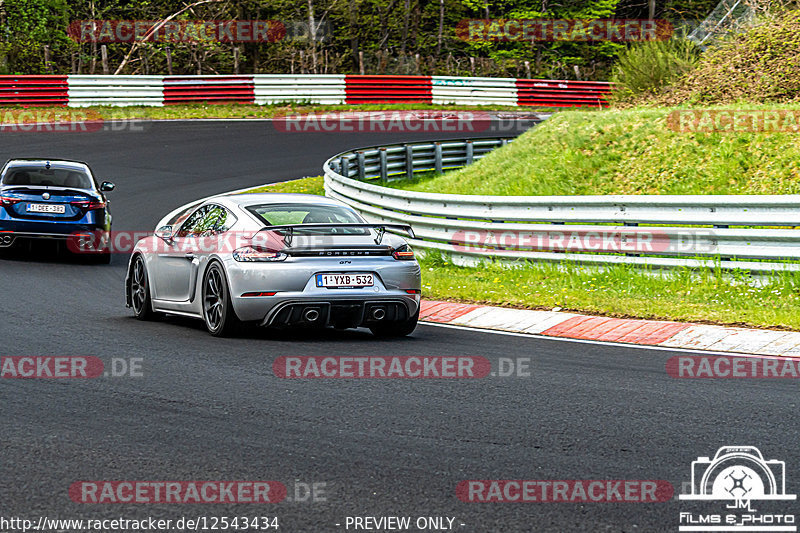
<point>165,233</point>
<point>107,186</point>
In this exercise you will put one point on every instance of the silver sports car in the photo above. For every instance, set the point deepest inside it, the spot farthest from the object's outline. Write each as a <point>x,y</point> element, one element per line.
<point>276,260</point>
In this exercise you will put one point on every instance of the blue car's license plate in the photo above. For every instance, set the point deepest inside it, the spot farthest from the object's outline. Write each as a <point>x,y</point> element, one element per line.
<point>46,208</point>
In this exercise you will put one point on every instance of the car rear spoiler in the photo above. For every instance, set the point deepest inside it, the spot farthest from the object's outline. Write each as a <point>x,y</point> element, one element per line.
<point>47,188</point>
<point>287,230</point>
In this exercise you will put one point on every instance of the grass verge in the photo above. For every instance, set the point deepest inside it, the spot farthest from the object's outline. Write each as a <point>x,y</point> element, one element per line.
<point>619,291</point>
<point>630,151</point>
<point>312,185</point>
<point>8,114</point>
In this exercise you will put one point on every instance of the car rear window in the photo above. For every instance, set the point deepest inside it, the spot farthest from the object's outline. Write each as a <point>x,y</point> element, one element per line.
<point>54,177</point>
<point>282,214</point>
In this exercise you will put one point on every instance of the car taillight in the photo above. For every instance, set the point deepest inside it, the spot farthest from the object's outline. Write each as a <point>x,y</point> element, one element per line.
<point>252,254</point>
<point>403,253</point>
<point>88,205</point>
<point>257,294</point>
<point>8,201</point>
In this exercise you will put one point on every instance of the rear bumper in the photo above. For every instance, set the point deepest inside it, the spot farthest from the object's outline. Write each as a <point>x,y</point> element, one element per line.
<point>341,312</point>
<point>51,228</point>
<point>10,237</point>
<point>293,283</point>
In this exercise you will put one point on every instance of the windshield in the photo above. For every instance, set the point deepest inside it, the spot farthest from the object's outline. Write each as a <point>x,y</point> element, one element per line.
<point>54,177</point>
<point>283,214</point>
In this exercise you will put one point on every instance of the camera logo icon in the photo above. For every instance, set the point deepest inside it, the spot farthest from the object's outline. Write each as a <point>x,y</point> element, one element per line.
<point>738,473</point>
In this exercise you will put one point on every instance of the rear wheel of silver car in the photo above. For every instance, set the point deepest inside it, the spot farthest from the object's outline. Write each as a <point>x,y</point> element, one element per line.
<point>396,329</point>
<point>140,290</point>
<point>218,311</point>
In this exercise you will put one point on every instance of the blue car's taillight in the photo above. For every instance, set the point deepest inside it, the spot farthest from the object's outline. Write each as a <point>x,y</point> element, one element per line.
<point>8,201</point>
<point>88,205</point>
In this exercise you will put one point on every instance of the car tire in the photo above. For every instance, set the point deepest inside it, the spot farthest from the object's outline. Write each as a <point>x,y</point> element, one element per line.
<point>218,313</point>
<point>396,329</point>
<point>140,290</point>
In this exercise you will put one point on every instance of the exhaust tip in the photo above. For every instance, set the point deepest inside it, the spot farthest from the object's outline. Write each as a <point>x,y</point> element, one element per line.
<point>379,313</point>
<point>311,315</point>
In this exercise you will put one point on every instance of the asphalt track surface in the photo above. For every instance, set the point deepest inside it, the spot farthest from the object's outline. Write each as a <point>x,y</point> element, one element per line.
<point>211,409</point>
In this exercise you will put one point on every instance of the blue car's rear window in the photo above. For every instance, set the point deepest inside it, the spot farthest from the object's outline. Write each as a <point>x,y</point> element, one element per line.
<point>54,177</point>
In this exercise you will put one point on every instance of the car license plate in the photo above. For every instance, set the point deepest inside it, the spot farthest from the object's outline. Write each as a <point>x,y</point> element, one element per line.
<point>46,208</point>
<point>345,280</point>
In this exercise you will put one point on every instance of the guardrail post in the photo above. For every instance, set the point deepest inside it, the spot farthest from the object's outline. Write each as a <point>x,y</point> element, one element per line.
<point>437,157</point>
<point>631,224</point>
<point>470,152</point>
<point>503,142</point>
<point>360,159</point>
<point>344,168</point>
<point>384,169</point>
<point>722,226</point>
<point>409,161</point>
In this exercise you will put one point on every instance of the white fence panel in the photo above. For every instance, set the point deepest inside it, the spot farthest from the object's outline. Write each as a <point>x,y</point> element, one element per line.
<point>86,90</point>
<point>318,89</point>
<point>474,91</point>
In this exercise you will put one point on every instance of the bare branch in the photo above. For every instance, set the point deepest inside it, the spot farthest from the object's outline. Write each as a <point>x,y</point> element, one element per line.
<point>157,27</point>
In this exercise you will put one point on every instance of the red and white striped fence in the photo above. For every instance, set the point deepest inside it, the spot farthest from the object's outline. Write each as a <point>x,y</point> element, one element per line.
<point>83,90</point>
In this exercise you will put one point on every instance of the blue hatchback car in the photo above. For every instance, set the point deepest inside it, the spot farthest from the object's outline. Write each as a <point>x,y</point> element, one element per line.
<point>56,200</point>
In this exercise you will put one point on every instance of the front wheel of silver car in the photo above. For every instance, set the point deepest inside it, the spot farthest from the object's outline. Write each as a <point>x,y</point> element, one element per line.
<point>218,312</point>
<point>140,290</point>
<point>396,329</point>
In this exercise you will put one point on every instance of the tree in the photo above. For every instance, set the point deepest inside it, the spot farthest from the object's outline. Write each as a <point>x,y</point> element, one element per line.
<point>31,27</point>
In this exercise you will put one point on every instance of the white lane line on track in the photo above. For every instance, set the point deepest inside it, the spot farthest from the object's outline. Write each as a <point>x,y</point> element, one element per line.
<point>534,336</point>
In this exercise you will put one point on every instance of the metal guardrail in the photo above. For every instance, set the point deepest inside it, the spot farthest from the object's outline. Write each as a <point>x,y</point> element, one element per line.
<point>33,90</point>
<point>389,162</point>
<point>123,90</point>
<point>743,232</point>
